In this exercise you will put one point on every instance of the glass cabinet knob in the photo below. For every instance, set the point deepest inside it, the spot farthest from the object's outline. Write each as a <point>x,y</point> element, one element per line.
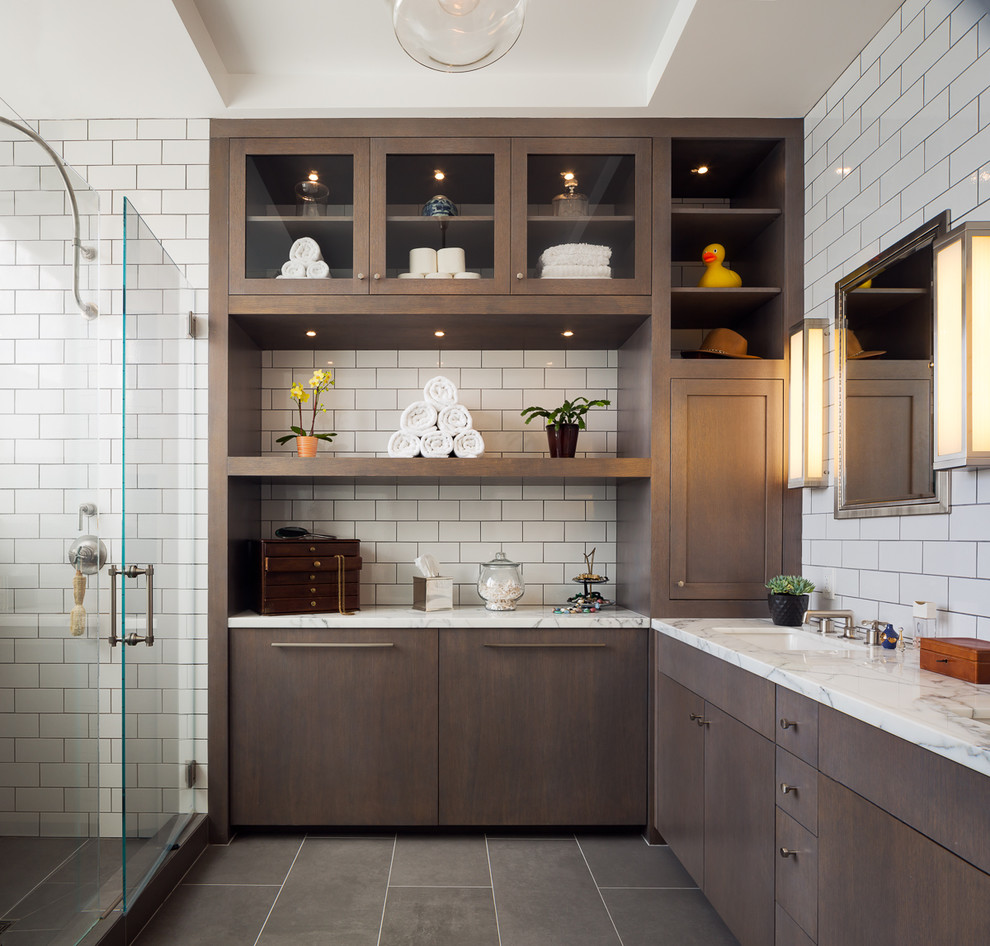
<point>377,276</point>
<point>519,276</point>
<point>360,275</point>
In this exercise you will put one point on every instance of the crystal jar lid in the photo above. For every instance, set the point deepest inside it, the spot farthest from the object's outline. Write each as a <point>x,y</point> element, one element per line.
<point>500,561</point>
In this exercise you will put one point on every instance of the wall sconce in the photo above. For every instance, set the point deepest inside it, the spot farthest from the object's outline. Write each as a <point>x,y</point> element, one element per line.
<point>806,405</point>
<point>962,348</point>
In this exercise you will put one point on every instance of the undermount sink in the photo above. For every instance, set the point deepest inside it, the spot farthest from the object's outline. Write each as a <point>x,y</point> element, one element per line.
<point>783,639</point>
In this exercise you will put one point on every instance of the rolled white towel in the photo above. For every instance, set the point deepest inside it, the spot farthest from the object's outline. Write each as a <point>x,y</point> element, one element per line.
<point>582,254</point>
<point>293,269</point>
<point>441,392</point>
<point>418,418</point>
<point>436,444</point>
<point>454,419</point>
<point>305,249</point>
<point>469,443</point>
<point>317,270</point>
<point>401,444</point>
<point>575,271</point>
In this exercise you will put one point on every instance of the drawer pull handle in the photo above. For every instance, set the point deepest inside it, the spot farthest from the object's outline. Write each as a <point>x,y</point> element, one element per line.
<point>696,717</point>
<point>339,646</point>
<point>316,564</point>
<point>572,646</point>
<point>312,577</point>
<point>941,660</point>
<point>312,548</point>
<point>704,722</point>
<point>787,852</point>
<point>788,724</point>
<point>785,788</point>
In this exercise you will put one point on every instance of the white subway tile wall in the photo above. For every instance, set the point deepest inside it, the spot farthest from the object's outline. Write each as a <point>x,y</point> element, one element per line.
<point>901,136</point>
<point>546,527</point>
<point>59,393</point>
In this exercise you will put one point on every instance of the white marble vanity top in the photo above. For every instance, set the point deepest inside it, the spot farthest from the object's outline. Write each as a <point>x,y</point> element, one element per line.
<point>525,616</point>
<point>885,688</point>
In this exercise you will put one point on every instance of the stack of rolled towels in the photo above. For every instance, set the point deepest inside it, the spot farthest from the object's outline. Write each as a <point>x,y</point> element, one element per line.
<point>437,426</point>
<point>576,261</point>
<point>305,261</point>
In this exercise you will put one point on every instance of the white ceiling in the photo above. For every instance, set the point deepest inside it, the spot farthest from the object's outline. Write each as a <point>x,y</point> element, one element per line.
<point>330,58</point>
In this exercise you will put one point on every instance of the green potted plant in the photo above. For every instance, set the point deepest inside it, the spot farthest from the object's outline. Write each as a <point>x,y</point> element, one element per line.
<point>788,599</point>
<point>306,442</point>
<point>564,422</point>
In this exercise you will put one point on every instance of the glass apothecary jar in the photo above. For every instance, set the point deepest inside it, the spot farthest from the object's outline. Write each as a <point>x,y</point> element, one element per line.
<point>500,583</point>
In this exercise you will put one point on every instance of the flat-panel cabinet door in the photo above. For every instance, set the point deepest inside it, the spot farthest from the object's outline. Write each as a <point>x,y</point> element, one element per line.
<point>885,884</point>
<point>543,727</point>
<point>680,777</point>
<point>333,727</point>
<point>726,487</point>
<point>739,827</point>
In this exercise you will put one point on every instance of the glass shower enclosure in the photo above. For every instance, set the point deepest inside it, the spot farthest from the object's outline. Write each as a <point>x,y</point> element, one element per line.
<point>98,466</point>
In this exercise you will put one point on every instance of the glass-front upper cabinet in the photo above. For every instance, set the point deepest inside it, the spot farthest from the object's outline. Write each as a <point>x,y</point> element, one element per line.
<point>581,216</point>
<point>440,215</point>
<point>298,216</point>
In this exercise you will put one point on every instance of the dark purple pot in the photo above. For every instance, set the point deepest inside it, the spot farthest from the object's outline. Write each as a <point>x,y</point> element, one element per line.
<point>787,610</point>
<point>563,440</point>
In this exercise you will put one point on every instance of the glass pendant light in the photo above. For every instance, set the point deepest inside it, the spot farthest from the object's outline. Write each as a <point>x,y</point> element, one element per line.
<point>457,35</point>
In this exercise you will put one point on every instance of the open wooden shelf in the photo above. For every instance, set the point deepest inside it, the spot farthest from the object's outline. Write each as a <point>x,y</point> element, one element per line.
<point>449,468</point>
<point>696,307</point>
<point>693,228</point>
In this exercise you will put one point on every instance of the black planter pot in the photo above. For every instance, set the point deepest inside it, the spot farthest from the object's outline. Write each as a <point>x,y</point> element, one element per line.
<point>563,440</point>
<point>787,610</point>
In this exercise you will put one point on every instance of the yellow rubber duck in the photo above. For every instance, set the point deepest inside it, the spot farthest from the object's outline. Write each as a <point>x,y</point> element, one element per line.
<point>716,275</point>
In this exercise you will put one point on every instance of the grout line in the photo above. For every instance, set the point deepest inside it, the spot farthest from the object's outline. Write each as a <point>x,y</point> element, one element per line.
<point>498,928</point>
<point>599,889</point>
<point>439,886</point>
<point>381,924</point>
<point>279,894</point>
<point>690,887</point>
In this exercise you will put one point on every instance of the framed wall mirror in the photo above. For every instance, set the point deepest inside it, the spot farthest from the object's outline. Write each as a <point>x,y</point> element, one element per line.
<point>884,337</point>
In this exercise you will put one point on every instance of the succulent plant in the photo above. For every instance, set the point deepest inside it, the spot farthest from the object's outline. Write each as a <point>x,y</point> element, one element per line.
<point>790,585</point>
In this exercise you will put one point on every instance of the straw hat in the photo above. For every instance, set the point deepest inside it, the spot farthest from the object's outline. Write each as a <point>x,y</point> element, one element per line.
<point>721,343</point>
<point>854,350</point>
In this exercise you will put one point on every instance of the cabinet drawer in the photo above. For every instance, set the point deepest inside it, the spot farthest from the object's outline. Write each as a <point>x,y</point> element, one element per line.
<point>305,604</point>
<point>788,933</point>
<point>797,873</point>
<point>797,789</point>
<point>318,562</point>
<point>277,548</point>
<point>797,725</point>
<point>322,586</point>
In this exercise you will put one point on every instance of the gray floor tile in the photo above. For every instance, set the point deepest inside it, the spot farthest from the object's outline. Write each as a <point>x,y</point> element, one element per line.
<point>545,896</point>
<point>429,861</point>
<point>26,862</point>
<point>248,859</point>
<point>334,894</point>
<point>628,861</point>
<point>666,918</point>
<point>439,916</point>
<point>209,916</point>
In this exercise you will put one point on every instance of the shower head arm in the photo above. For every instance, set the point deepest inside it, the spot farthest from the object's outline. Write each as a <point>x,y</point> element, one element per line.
<point>88,309</point>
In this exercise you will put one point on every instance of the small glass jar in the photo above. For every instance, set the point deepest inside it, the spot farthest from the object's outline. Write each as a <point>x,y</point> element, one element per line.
<point>570,204</point>
<point>500,583</point>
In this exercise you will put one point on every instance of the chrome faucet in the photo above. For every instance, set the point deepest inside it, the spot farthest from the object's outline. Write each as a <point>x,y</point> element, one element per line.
<point>826,618</point>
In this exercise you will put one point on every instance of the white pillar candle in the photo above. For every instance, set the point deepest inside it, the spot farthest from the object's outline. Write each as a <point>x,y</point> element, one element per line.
<point>423,259</point>
<point>450,260</point>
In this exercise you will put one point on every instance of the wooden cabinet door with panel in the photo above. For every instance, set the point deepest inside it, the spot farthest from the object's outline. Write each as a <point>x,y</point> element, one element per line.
<point>726,483</point>
<point>543,727</point>
<point>333,727</point>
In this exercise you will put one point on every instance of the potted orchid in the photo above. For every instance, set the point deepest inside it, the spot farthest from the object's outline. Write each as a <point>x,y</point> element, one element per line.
<point>306,442</point>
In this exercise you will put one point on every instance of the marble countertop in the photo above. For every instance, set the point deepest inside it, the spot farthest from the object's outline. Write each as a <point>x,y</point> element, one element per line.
<point>526,616</point>
<point>885,688</point>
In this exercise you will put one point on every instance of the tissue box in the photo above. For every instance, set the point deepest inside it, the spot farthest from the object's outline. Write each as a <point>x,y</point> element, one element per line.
<point>433,594</point>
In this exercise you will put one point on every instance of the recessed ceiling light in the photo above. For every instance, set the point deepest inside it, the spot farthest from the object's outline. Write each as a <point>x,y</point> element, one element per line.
<point>700,169</point>
<point>567,334</point>
<point>311,333</point>
<point>438,175</point>
<point>439,333</point>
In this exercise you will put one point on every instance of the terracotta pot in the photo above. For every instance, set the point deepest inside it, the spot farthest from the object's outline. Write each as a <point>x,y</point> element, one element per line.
<point>306,446</point>
<point>562,440</point>
<point>787,610</point>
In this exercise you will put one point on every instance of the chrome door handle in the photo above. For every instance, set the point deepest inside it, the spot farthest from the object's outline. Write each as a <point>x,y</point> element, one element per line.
<point>341,645</point>
<point>132,571</point>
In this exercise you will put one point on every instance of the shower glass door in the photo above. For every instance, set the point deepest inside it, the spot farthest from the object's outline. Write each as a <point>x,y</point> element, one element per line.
<point>159,589</point>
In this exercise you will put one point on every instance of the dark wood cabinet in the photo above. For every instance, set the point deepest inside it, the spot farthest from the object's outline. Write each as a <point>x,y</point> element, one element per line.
<point>680,778</point>
<point>726,478</point>
<point>885,884</point>
<point>543,727</point>
<point>714,783</point>
<point>333,727</point>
